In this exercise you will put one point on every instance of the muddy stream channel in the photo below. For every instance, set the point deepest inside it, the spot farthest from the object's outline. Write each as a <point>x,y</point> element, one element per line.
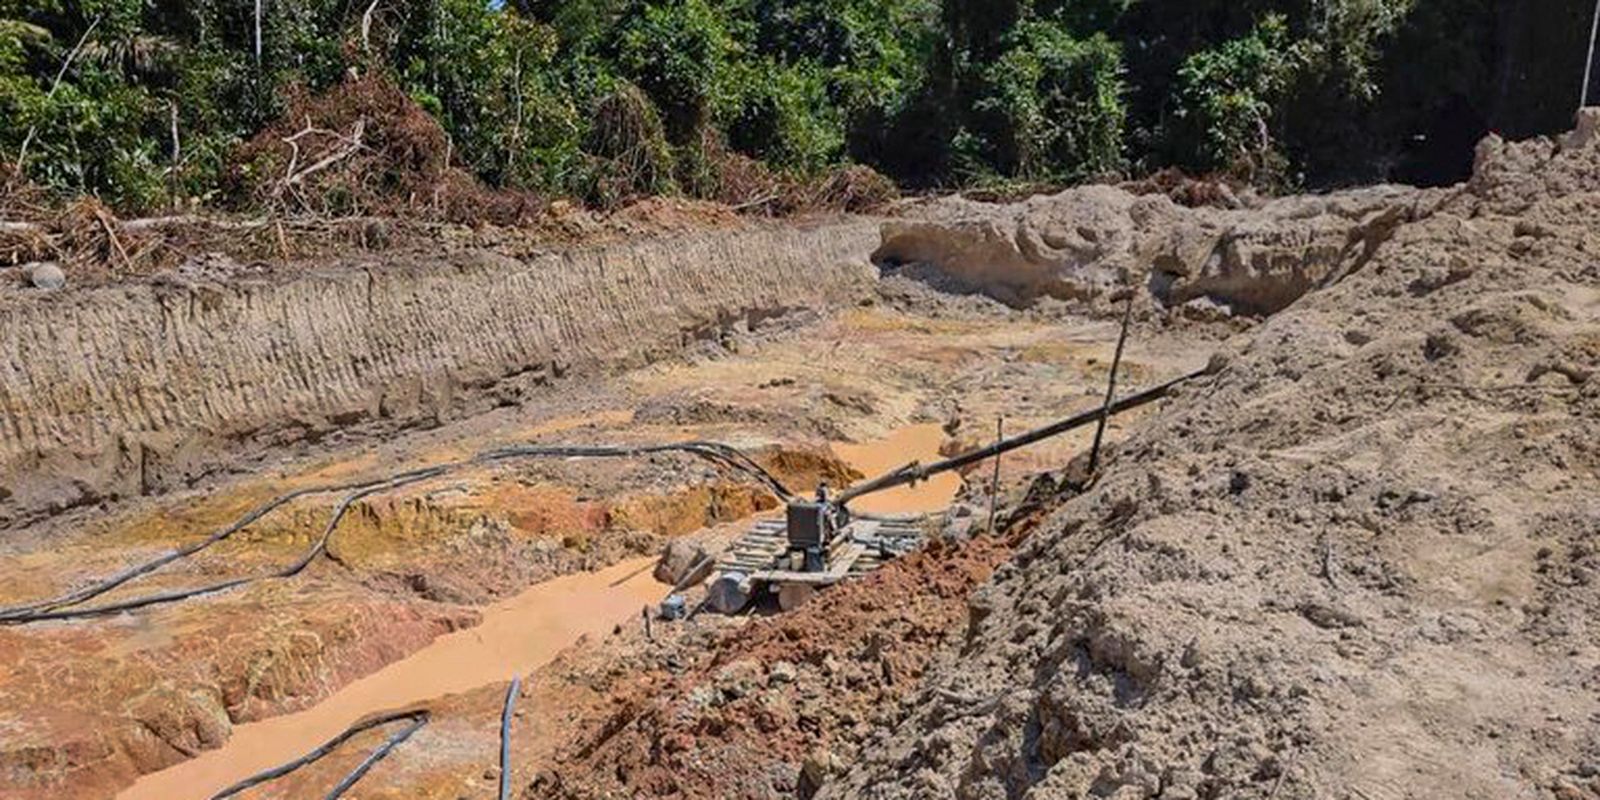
<point>517,635</point>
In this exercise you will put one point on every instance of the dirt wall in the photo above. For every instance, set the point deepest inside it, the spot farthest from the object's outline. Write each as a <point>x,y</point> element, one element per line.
<point>1083,243</point>
<point>131,389</point>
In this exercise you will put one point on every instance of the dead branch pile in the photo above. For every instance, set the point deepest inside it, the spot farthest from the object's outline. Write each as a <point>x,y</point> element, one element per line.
<point>1206,192</point>
<point>365,148</point>
<point>750,186</point>
<point>628,154</point>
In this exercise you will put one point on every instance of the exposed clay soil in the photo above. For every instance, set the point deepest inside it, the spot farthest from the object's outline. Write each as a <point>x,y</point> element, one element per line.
<point>731,713</point>
<point>138,692</point>
<point>1357,559</point>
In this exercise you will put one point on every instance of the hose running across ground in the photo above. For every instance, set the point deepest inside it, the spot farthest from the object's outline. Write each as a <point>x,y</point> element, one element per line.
<point>416,719</point>
<point>70,605</point>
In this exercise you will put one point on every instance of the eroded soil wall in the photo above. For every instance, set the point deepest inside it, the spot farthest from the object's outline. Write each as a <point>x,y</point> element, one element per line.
<point>132,389</point>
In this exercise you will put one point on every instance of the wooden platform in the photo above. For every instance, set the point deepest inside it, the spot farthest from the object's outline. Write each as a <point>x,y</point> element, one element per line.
<point>863,546</point>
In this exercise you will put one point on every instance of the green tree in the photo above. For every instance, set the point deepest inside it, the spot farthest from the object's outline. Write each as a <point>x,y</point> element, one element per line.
<point>783,115</point>
<point>1228,98</point>
<point>1054,104</point>
<point>678,52</point>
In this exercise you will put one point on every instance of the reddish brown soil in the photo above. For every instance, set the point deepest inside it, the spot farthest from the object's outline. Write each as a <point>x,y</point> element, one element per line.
<point>741,717</point>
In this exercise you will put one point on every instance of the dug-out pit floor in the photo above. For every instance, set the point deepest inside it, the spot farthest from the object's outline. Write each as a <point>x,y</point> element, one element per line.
<point>430,594</point>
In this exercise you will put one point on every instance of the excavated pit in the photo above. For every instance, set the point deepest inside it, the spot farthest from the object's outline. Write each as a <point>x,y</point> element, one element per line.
<point>137,389</point>
<point>1363,545</point>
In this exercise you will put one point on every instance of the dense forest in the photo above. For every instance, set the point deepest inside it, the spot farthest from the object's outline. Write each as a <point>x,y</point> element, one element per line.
<point>164,103</point>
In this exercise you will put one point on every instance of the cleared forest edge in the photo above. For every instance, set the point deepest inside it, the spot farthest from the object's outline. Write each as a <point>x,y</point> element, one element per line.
<point>134,389</point>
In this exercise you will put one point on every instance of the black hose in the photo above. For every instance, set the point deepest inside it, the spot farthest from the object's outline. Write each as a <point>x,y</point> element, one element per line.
<point>375,756</point>
<point>120,578</point>
<point>26,614</point>
<point>913,472</point>
<point>57,608</point>
<point>417,718</point>
<point>505,736</point>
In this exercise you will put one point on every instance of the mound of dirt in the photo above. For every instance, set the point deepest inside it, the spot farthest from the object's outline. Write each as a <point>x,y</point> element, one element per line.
<point>735,718</point>
<point>1361,560</point>
<point>1086,242</point>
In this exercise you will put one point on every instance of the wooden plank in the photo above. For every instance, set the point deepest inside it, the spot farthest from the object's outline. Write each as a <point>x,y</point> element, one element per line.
<point>836,570</point>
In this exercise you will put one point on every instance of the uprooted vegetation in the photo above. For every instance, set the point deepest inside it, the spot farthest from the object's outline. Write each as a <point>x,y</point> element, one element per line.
<point>932,94</point>
<point>364,148</point>
<point>363,167</point>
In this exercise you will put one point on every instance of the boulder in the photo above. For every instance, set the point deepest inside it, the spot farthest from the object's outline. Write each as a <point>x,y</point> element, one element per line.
<point>683,563</point>
<point>45,275</point>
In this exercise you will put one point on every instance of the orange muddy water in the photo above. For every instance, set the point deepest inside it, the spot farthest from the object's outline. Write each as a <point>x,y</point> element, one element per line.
<point>911,443</point>
<point>516,636</point>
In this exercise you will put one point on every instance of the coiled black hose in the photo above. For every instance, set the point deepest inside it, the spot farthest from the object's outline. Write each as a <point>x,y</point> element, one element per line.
<point>69,605</point>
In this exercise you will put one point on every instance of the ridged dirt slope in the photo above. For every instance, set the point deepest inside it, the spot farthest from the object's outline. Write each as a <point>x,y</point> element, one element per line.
<point>131,389</point>
<point>1362,560</point>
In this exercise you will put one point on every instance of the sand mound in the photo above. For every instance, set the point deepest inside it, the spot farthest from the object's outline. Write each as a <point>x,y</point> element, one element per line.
<point>1085,242</point>
<point>1362,560</point>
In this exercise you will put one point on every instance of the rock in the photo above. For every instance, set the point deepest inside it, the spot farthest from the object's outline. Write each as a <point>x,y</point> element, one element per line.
<point>377,234</point>
<point>683,563</point>
<point>739,679</point>
<point>781,672</point>
<point>1204,309</point>
<point>820,765</point>
<point>703,697</point>
<point>1328,616</point>
<point>45,275</point>
<point>1586,129</point>
<point>1564,789</point>
<point>956,529</point>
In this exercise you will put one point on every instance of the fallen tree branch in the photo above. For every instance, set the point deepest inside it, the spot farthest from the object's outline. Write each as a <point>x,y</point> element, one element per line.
<point>366,26</point>
<point>111,237</point>
<point>145,224</point>
<point>759,201</point>
<point>353,146</point>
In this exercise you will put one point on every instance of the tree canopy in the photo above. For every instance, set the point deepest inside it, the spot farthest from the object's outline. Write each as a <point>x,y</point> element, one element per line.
<point>150,103</point>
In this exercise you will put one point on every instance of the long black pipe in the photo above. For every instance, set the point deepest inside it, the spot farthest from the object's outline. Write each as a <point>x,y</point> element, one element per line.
<point>913,472</point>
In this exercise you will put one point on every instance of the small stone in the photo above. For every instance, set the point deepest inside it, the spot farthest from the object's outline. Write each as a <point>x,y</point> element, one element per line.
<point>1564,789</point>
<point>830,665</point>
<point>781,672</point>
<point>702,697</point>
<point>820,765</point>
<point>46,275</point>
<point>738,679</point>
<point>1329,616</point>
